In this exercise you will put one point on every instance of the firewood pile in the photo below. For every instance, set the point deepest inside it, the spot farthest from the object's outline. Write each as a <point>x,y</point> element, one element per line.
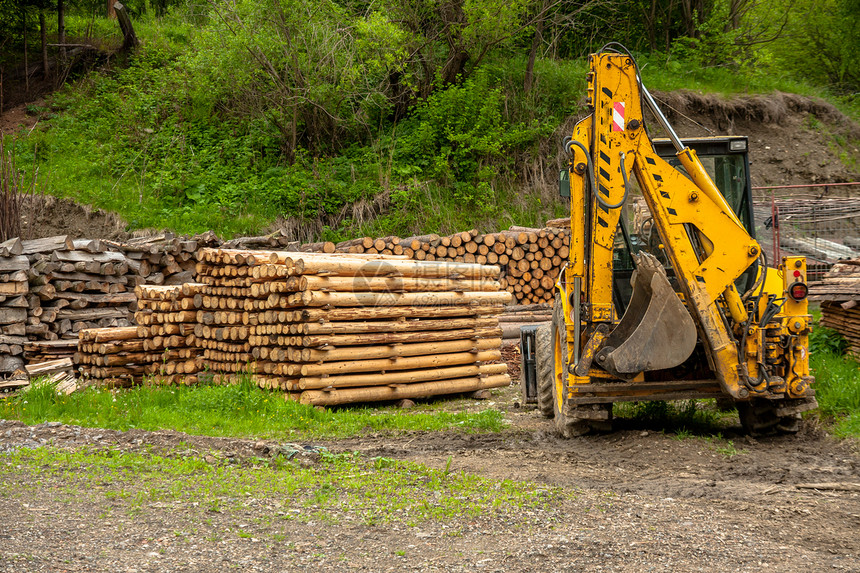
<point>75,285</point>
<point>165,259</point>
<point>14,304</point>
<point>341,328</point>
<point>839,293</point>
<point>86,284</point>
<point>167,317</point>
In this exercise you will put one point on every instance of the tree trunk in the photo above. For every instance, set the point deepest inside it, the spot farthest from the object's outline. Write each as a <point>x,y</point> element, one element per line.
<point>130,38</point>
<point>44,34</point>
<point>26,54</point>
<point>455,66</point>
<point>61,31</point>
<point>536,42</point>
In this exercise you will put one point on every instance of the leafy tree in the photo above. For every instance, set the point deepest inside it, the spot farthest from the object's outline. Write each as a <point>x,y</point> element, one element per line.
<point>319,76</point>
<point>822,43</point>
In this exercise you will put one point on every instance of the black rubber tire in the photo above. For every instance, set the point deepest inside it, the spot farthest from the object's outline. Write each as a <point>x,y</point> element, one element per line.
<point>758,418</point>
<point>544,360</point>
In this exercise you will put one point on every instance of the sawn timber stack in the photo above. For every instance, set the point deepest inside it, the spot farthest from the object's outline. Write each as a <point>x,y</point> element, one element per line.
<point>839,293</point>
<point>343,328</point>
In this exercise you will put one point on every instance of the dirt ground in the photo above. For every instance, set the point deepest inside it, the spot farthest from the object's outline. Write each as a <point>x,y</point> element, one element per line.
<point>641,500</point>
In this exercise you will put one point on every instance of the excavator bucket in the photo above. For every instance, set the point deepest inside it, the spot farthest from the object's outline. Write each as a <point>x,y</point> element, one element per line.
<point>656,332</point>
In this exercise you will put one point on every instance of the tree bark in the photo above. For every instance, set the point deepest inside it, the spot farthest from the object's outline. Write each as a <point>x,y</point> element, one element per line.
<point>44,34</point>
<point>130,38</point>
<point>536,42</point>
<point>26,51</point>
<point>61,31</point>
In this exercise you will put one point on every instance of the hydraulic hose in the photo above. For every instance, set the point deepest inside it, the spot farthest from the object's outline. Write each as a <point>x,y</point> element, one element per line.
<point>592,179</point>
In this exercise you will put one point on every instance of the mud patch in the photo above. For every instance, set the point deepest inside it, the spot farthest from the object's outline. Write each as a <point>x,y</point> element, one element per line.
<point>45,216</point>
<point>794,139</point>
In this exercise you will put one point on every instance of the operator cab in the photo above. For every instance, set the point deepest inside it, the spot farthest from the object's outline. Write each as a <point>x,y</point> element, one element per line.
<point>726,161</point>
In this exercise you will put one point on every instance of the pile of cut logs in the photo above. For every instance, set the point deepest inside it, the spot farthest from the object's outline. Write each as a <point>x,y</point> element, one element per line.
<point>112,356</point>
<point>13,307</point>
<point>167,317</point>
<point>342,328</point>
<point>839,293</point>
<point>165,259</point>
<point>76,285</point>
<point>530,259</point>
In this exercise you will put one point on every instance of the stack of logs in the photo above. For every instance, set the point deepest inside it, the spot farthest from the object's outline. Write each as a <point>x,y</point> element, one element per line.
<point>517,316</point>
<point>13,307</point>
<point>165,259</point>
<point>530,259</point>
<point>76,285</point>
<point>167,318</point>
<point>111,356</point>
<point>347,328</point>
<point>839,293</point>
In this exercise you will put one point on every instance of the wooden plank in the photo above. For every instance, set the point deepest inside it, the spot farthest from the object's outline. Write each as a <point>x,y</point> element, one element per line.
<point>49,367</point>
<point>16,263</point>
<point>48,244</point>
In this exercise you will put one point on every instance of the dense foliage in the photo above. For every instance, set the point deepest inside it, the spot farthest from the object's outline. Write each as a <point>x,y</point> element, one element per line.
<point>340,117</point>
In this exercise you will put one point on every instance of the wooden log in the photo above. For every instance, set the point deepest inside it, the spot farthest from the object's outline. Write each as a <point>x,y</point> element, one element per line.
<point>130,41</point>
<point>84,257</point>
<point>393,350</point>
<point>405,377</point>
<point>395,284</point>
<point>49,367</point>
<point>417,390</point>
<point>393,326</point>
<point>382,313</point>
<point>337,340</point>
<point>347,299</point>
<point>14,263</point>
<point>382,268</point>
<point>396,363</point>
<point>321,247</point>
<point>114,299</point>
<point>563,223</point>
<point>92,313</point>
<point>109,334</point>
<point>12,315</point>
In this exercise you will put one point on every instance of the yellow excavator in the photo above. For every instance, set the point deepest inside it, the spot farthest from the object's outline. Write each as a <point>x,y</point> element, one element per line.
<point>667,294</point>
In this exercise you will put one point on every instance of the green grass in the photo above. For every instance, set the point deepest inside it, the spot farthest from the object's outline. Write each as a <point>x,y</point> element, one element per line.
<point>241,410</point>
<point>377,491</point>
<point>837,389</point>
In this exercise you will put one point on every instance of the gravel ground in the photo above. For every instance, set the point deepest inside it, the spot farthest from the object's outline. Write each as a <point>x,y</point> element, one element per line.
<point>633,500</point>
